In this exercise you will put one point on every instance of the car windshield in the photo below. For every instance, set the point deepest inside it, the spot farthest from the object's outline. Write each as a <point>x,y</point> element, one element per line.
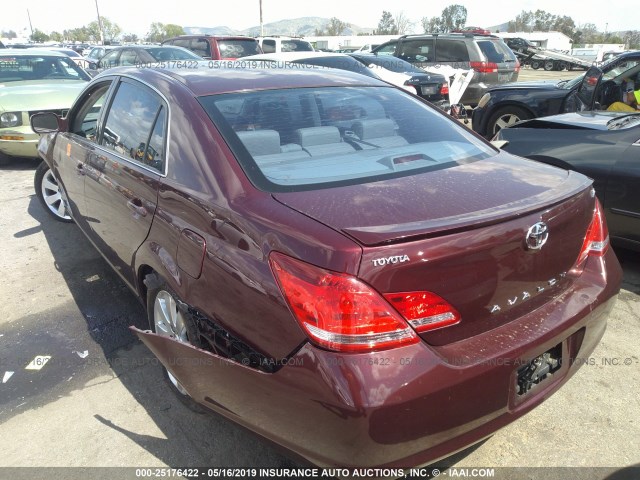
<point>15,68</point>
<point>496,51</point>
<point>309,138</point>
<point>389,62</point>
<point>172,53</point>
<point>620,69</point>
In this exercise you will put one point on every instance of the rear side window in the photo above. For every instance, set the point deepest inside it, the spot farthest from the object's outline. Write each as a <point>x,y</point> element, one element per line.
<point>269,46</point>
<point>200,47</point>
<point>238,48</point>
<point>310,138</point>
<point>496,51</point>
<point>296,46</point>
<point>451,51</point>
<point>131,122</point>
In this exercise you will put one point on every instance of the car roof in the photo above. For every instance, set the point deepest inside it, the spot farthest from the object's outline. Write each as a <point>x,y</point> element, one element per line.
<point>33,52</point>
<point>217,77</point>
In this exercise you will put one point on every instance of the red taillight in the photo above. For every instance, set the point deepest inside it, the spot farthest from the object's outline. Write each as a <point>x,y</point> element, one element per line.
<point>596,242</point>
<point>484,67</point>
<point>517,66</point>
<point>338,311</point>
<point>444,89</point>
<point>410,88</point>
<point>424,310</point>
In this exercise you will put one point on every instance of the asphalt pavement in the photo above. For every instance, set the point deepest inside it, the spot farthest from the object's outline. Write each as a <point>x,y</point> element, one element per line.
<point>79,390</point>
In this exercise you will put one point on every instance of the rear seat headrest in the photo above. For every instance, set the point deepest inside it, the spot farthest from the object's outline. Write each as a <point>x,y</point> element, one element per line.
<point>260,142</point>
<point>378,128</point>
<point>309,137</point>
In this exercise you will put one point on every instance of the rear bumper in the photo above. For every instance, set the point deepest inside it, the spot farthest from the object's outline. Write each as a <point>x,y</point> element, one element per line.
<point>408,406</point>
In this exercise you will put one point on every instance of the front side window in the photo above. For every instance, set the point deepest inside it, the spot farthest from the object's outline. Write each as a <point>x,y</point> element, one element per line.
<point>418,51</point>
<point>131,121</point>
<point>110,59</point>
<point>128,58</point>
<point>84,122</point>
<point>387,49</point>
<point>309,138</point>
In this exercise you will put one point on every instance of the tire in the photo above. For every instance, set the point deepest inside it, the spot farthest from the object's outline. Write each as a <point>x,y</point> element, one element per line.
<point>51,194</point>
<point>548,65</point>
<point>167,318</point>
<point>536,64</point>
<point>505,117</point>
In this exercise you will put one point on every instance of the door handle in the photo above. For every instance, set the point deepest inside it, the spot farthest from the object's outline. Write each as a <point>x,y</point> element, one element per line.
<point>135,205</point>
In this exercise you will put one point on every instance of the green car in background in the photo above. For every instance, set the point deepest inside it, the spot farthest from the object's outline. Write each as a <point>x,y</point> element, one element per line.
<point>31,81</point>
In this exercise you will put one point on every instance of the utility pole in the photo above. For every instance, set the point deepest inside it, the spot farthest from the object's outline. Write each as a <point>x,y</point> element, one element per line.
<point>100,24</point>
<point>261,25</point>
<point>31,26</point>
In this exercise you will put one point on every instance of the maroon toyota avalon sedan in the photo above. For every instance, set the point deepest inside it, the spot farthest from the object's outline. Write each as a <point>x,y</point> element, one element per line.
<point>332,262</point>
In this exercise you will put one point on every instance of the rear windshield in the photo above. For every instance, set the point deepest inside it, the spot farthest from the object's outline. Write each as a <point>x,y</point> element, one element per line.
<point>238,48</point>
<point>496,51</point>
<point>296,46</point>
<point>14,68</point>
<point>310,138</point>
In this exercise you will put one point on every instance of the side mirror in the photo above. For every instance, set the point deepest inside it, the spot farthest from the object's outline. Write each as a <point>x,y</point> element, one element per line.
<point>45,122</point>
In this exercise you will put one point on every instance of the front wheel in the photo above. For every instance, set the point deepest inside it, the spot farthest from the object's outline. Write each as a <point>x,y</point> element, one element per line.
<point>505,117</point>
<point>50,193</point>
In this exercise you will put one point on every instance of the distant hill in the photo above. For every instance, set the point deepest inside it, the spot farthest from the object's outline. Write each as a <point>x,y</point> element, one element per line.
<point>304,26</point>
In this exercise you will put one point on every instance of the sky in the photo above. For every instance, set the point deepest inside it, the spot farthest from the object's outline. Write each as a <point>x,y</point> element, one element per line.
<point>135,16</point>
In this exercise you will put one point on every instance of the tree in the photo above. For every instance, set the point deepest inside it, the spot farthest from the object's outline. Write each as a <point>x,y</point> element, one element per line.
<point>159,32</point>
<point>386,25</point>
<point>10,34</point>
<point>632,39</point>
<point>130,38</point>
<point>56,37</point>
<point>431,25</point>
<point>453,17</point>
<point>110,30</point>
<point>39,36</point>
<point>403,24</point>
<point>335,27</point>
<point>542,21</point>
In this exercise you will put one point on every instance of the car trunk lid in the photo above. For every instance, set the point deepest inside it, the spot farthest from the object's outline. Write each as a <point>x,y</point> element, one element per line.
<point>461,233</point>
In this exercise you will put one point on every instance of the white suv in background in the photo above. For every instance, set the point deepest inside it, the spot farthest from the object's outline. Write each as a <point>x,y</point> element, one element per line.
<point>278,44</point>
